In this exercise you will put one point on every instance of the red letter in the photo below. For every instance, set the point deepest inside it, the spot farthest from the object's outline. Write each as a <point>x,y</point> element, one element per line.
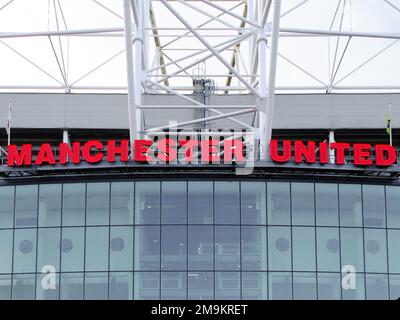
<point>189,145</point>
<point>362,152</point>
<point>45,155</point>
<point>123,150</point>
<point>391,155</point>
<point>167,150</point>
<point>66,153</point>
<point>340,147</point>
<point>210,151</point>
<point>87,148</point>
<point>287,151</point>
<point>301,150</point>
<point>19,159</point>
<point>141,147</point>
<point>233,147</point>
<point>323,152</point>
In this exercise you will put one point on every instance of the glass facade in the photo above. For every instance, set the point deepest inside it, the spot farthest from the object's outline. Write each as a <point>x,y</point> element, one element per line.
<point>199,240</point>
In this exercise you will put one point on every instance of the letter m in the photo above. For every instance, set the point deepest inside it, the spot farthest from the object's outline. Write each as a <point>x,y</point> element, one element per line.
<point>19,158</point>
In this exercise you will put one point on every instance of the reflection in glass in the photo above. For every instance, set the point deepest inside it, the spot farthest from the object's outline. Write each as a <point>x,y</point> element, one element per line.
<point>71,286</point>
<point>26,206</point>
<point>374,206</point>
<point>5,287</point>
<point>23,287</point>
<point>375,250</point>
<point>393,250</point>
<point>227,199</point>
<point>304,286</point>
<point>279,248</point>
<point>72,249</point>
<point>24,250</point>
<point>201,285</point>
<point>303,248</point>
<point>303,204</point>
<point>253,203</point>
<point>49,205</point>
<point>122,202</point>
<point>7,207</point>
<point>326,202</point>
<point>6,240</point>
<point>201,248</point>
<point>96,249</point>
<point>329,285</point>
<point>358,293</point>
<point>98,203</point>
<point>120,286</point>
<point>393,206</point>
<point>227,286</point>
<point>227,248</point>
<point>254,286</point>
<point>74,202</point>
<point>173,247</point>
<point>48,248</point>
<point>147,248</point>
<point>47,293</point>
<point>254,248</point>
<point>147,202</point>
<point>377,286</point>
<point>147,286</point>
<point>173,286</point>
<point>278,203</point>
<point>328,249</point>
<point>394,283</point>
<point>96,286</point>
<point>121,248</point>
<point>280,285</point>
<point>352,248</point>
<point>350,205</point>
<point>173,203</point>
<point>200,202</point>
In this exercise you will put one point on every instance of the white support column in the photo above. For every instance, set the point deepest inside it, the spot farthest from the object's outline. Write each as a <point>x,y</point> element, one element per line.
<point>138,68</point>
<point>65,137</point>
<point>272,73</point>
<point>330,151</point>
<point>133,128</point>
<point>262,101</point>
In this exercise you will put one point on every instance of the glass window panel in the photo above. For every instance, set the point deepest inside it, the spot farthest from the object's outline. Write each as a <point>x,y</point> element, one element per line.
<point>327,202</point>
<point>96,286</point>
<point>393,206</point>
<point>374,206</point>
<point>279,248</point>
<point>201,285</point>
<point>71,286</point>
<point>329,285</point>
<point>74,202</point>
<point>7,207</point>
<point>147,248</point>
<point>304,286</point>
<point>49,205</point>
<point>72,249</point>
<point>377,286</point>
<point>303,204</point>
<point>24,250</point>
<point>352,248</point>
<point>6,246</point>
<point>147,286</point>
<point>358,293</point>
<point>48,248</point>
<point>173,247</point>
<point>173,286</point>
<point>303,248</point>
<point>96,249</point>
<point>254,248</point>
<point>122,202</point>
<point>50,292</point>
<point>26,206</point>
<point>328,249</point>
<point>173,203</point>
<point>227,248</point>
<point>394,282</point>
<point>278,203</point>
<point>98,203</point>
<point>201,248</point>
<point>393,251</point>
<point>280,285</point>
<point>23,287</point>
<point>227,208</point>
<point>375,250</point>
<point>200,202</point>
<point>350,205</point>
<point>227,286</point>
<point>121,248</point>
<point>254,286</point>
<point>120,286</point>
<point>253,203</point>
<point>5,287</point>
<point>147,202</point>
